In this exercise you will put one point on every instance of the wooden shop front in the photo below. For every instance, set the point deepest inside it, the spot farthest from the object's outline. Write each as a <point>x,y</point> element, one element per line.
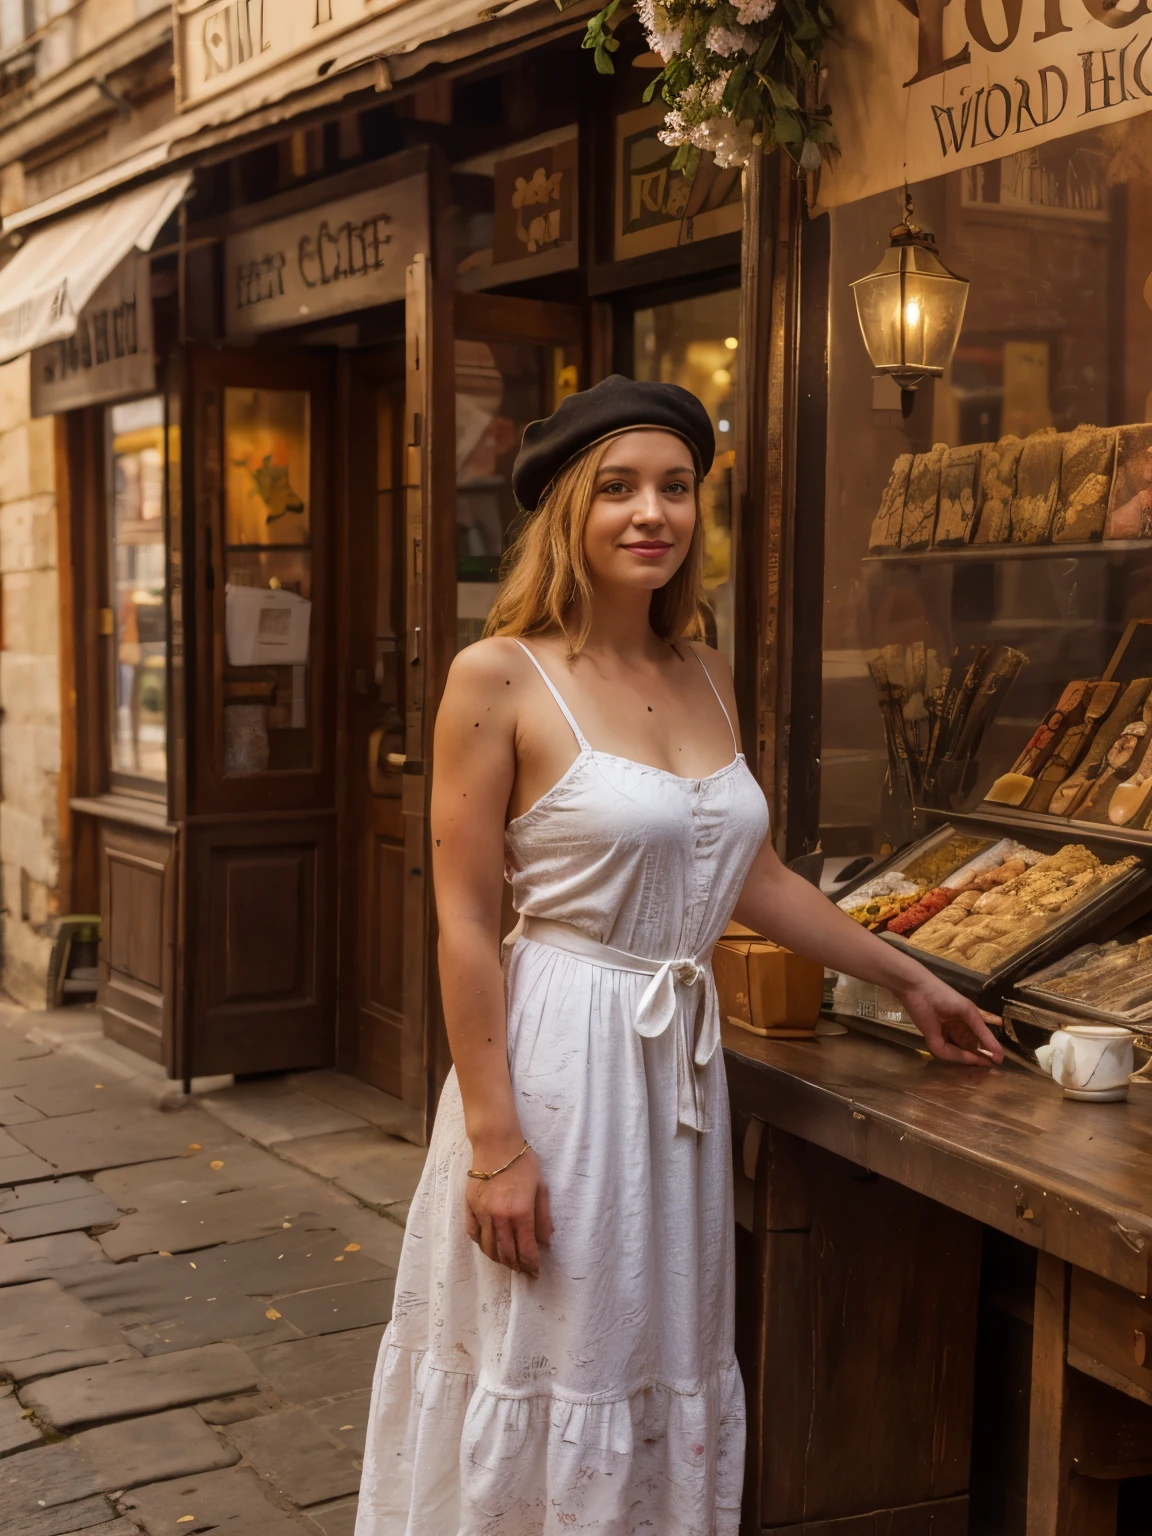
<point>944,1272</point>
<point>356,315</point>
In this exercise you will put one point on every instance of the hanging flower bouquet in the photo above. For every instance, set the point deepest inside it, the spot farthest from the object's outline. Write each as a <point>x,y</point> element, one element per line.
<point>738,75</point>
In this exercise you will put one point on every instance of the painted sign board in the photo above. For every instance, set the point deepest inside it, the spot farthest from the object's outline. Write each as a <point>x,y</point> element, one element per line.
<point>325,261</point>
<point>919,88</point>
<point>110,355</point>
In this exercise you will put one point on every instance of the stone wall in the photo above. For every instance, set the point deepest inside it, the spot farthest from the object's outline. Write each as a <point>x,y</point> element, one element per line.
<point>29,691</point>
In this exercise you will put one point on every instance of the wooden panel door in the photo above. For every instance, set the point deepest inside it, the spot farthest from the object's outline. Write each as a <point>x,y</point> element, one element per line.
<point>374,578</point>
<point>258,872</point>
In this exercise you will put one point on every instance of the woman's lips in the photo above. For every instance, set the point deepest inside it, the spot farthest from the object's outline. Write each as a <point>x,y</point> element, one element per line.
<point>648,550</point>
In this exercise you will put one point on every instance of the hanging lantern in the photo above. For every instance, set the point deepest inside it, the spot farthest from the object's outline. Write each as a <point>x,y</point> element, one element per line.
<point>910,309</point>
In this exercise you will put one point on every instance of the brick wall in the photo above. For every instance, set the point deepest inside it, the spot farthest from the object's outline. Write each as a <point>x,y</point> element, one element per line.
<point>29,691</point>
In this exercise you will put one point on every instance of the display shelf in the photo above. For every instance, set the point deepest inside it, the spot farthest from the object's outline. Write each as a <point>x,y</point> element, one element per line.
<point>994,552</point>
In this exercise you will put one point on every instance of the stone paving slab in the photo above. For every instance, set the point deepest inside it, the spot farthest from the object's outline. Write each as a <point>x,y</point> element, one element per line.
<point>121,1527</point>
<point>39,1258</point>
<point>361,1099</point>
<point>136,1451</point>
<point>368,1163</point>
<point>14,1111</point>
<point>129,1293</point>
<point>206,1220</point>
<point>80,1096</point>
<point>337,1308</point>
<point>44,1477</point>
<point>297,1456</point>
<point>94,1514</point>
<point>92,1209</point>
<point>111,1138</point>
<point>337,1519</point>
<point>300,1259</point>
<point>47,1192</point>
<point>16,1432</point>
<point>171,1180</point>
<point>44,1330</point>
<point>140,1386</point>
<point>23,1168</point>
<point>347,1419</point>
<point>233,1410</point>
<point>269,1113</point>
<point>239,1318</point>
<point>330,1365</point>
<point>231,1503</point>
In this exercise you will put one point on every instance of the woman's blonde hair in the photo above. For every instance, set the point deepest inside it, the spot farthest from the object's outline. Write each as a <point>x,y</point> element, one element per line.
<point>544,580</point>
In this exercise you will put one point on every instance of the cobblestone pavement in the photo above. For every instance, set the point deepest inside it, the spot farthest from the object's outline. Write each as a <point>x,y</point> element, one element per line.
<point>192,1290</point>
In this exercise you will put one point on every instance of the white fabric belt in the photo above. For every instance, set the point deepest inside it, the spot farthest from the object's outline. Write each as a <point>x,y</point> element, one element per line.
<point>663,1004</point>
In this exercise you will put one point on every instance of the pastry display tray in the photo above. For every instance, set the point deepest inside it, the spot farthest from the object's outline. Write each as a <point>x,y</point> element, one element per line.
<point>1065,932</point>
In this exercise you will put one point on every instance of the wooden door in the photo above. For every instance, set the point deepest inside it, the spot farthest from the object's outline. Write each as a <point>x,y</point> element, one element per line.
<point>375,581</point>
<point>258,872</point>
<point>429,508</point>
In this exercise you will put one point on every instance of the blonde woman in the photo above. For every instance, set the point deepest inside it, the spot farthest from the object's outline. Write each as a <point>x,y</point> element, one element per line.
<point>561,1350</point>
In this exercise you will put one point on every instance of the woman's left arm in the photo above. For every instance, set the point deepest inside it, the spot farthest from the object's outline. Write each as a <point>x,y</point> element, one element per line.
<point>789,911</point>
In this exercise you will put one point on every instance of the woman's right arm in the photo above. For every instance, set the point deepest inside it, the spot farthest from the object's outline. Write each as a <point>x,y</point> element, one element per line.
<point>475,767</point>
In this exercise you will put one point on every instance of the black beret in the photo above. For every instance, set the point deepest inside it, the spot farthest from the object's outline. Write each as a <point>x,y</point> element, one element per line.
<point>614,405</point>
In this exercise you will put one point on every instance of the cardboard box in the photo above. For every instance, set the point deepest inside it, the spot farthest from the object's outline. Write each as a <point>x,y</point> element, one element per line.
<point>765,989</point>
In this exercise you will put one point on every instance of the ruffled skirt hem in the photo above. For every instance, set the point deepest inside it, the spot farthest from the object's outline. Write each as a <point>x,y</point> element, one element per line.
<point>448,1456</point>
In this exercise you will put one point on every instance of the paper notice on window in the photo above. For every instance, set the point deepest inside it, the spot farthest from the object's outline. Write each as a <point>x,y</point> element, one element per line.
<point>266,628</point>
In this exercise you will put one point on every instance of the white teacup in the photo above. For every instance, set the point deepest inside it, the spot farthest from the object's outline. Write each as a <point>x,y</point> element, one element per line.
<point>1089,1061</point>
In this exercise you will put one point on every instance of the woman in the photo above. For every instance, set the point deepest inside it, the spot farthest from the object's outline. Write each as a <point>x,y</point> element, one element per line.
<point>561,1350</point>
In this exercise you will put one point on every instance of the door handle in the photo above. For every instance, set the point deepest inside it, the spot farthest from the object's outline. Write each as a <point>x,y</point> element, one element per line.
<point>379,772</point>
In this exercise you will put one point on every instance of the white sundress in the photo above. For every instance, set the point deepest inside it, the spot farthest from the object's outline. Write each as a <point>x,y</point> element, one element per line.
<point>604,1395</point>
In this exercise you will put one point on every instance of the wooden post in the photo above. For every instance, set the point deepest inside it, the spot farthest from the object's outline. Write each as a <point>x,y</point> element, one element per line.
<point>1061,1500</point>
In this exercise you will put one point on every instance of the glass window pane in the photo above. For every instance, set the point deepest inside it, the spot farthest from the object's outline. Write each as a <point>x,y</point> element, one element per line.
<point>139,594</point>
<point>267,682</point>
<point>694,343</point>
<point>500,388</point>
<point>1057,245</point>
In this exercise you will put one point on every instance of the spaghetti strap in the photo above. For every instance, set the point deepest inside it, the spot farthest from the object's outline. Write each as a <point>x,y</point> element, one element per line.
<point>719,700</point>
<point>555,692</point>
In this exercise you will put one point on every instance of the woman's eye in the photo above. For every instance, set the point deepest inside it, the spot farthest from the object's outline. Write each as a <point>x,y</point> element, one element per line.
<point>613,488</point>
<point>676,488</point>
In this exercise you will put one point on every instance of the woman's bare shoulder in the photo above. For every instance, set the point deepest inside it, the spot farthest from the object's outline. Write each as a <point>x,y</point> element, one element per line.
<point>493,663</point>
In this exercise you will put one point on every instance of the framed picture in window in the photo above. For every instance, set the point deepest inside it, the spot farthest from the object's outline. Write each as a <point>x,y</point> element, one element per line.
<point>658,208</point>
<point>517,211</point>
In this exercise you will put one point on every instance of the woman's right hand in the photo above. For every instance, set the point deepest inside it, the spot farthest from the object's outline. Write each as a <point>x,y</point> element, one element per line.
<point>508,1216</point>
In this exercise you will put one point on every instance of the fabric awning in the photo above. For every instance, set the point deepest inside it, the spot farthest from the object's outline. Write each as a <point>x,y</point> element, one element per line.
<point>54,274</point>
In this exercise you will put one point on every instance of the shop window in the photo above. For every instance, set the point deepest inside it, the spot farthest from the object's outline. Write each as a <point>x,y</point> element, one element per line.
<point>139,606</point>
<point>500,387</point>
<point>695,343</point>
<point>1057,245</point>
<point>268,581</point>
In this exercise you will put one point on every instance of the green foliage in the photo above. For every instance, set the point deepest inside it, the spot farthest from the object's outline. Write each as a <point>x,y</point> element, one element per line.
<point>738,75</point>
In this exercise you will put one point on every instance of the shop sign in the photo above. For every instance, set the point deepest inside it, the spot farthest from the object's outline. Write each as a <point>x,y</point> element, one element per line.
<point>109,356</point>
<point>659,208</point>
<point>325,261</point>
<point>922,87</point>
<point>530,204</point>
<point>221,44</point>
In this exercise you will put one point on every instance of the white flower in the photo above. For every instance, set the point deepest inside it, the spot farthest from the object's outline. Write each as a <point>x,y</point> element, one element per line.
<point>727,41</point>
<point>749,11</point>
<point>663,35</point>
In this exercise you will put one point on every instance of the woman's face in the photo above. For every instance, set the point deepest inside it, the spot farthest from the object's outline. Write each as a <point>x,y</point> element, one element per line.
<point>643,511</point>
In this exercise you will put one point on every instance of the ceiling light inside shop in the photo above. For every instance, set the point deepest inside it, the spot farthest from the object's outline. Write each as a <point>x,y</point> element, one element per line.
<point>731,343</point>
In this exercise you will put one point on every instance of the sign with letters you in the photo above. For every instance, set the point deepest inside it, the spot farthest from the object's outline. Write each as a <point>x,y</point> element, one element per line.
<point>341,256</point>
<point>922,87</point>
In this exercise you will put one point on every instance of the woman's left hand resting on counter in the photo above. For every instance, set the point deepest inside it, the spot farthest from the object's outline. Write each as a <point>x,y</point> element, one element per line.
<point>789,911</point>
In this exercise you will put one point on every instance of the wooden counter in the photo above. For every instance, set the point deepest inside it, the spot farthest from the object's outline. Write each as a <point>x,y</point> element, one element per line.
<point>875,1175</point>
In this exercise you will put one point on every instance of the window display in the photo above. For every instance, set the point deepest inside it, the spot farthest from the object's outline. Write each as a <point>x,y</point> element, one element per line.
<point>1010,510</point>
<point>139,727</point>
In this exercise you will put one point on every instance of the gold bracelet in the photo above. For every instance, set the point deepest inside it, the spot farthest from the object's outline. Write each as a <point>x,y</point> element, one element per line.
<point>476,1173</point>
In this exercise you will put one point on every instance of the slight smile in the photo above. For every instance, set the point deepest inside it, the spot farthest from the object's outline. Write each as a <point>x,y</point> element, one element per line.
<point>648,549</point>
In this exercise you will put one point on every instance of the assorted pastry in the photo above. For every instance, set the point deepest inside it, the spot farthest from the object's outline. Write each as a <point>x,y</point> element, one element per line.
<point>935,713</point>
<point>1113,978</point>
<point>1090,759</point>
<point>989,921</point>
<point>1051,487</point>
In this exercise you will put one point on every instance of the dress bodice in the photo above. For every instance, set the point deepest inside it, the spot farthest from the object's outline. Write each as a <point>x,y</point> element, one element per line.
<point>634,856</point>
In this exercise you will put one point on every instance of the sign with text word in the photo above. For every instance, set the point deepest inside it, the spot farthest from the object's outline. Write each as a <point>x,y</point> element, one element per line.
<point>922,87</point>
<point>329,260</point>
<point>110,354</point>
